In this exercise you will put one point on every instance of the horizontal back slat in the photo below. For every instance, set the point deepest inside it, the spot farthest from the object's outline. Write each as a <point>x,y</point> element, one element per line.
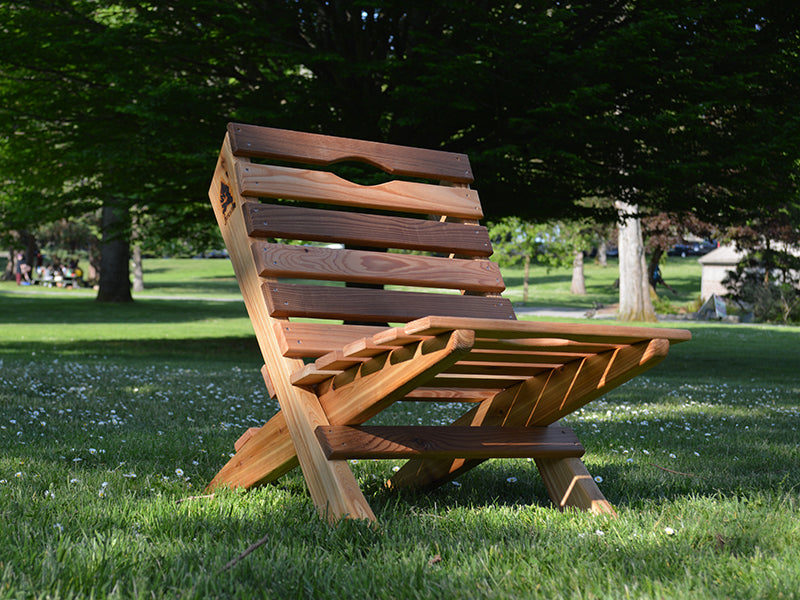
<point>380,231</point>
<point>359,266</point>
<point>328,302</point>
<point>312,340</point>
<point>268,181</point>
<point>265,142</point>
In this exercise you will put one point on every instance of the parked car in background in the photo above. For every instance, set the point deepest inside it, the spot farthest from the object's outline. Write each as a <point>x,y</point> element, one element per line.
<point>692,248</point>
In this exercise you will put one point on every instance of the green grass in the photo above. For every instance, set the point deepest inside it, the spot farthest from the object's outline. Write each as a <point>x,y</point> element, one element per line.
<point>110,414</point>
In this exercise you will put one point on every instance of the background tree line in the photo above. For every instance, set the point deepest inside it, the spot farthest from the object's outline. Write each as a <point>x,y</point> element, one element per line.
<point>117,108</point>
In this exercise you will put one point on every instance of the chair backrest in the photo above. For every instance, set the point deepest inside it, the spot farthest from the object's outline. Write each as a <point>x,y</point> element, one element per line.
<point>338,252</point>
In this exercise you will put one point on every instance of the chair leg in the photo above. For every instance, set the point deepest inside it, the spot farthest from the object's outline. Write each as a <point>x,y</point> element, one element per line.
<point>569,484</point>
<point>539,401</point>
<point>266,455</point>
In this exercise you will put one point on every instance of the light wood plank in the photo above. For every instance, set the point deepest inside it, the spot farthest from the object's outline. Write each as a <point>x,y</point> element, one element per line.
<point>488,328</point>
<point>379,231</point>
<point>359,266</point>
<point>265,142</point>
<point>312,340</point>
<point>321,187</point>
<point>375,385</point>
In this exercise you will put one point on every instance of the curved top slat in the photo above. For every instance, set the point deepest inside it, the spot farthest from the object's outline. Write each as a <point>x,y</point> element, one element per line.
<point>311,148</point>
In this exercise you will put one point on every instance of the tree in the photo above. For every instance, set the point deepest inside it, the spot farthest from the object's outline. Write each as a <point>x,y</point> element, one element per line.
<point>680,106</point>
<point>556,244</point>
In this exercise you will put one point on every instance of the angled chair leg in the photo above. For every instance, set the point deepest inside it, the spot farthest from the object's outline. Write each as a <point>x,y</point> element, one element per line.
<point>540,401</point>
<point>267,454</point>
<point>569,483</point>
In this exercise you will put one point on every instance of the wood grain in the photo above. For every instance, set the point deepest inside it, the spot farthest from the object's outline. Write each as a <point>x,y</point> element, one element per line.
<point>329,302</point>
<point>265,142</point>
<point>379,231</point>
<point>269,181</point>
<point>360,266</point>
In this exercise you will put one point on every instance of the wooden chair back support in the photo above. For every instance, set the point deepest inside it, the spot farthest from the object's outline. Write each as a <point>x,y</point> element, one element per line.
<point>327,264</point>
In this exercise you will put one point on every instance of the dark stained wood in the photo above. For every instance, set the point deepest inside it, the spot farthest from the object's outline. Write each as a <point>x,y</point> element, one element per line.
<point>329,302</point>
<point>306,262</point>
<point>264,142</point>
<point>380,231</point>
<point>339,442</point>
<point>270,181</point>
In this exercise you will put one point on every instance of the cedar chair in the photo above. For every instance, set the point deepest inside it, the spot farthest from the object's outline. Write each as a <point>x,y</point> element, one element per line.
<point>411,254</point>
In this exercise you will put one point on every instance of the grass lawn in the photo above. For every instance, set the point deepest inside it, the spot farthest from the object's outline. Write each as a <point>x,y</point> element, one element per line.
<point>109,415</point>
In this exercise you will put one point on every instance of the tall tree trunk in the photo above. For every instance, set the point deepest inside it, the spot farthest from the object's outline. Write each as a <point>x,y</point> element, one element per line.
<point>115,279</point>
<point>8,274</point>
<point>578,286</point>
<point>602,253</point>
<point>634,287</point>
<point>525,278</point>
<point>138,274</point>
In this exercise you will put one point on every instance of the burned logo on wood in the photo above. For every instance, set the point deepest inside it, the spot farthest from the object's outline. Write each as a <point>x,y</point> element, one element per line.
<point>226,200</point>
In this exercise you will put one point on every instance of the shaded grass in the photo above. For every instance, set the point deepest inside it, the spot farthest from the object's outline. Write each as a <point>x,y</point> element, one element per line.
<point>700,457</point>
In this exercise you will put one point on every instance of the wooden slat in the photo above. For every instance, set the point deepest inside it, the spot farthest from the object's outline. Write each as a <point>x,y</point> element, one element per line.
<point>265,142</point>
<point>340,442</point>
<point>360,266</point>
<point>312,340</point>
<point>469,367</point>
<point>423,394</point>
<point>490,328</point>
<point>477,382</point>
<point>358,396</point>
<point>329,302</point>
<point>543,345</point>
<point>379,231</point>
<point>269,181</point>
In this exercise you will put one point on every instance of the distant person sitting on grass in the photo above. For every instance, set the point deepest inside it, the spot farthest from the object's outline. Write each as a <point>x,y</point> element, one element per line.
<point>22,270</point>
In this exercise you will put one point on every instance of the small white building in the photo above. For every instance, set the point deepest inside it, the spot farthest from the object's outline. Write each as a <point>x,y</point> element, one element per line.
<point>717,264</point>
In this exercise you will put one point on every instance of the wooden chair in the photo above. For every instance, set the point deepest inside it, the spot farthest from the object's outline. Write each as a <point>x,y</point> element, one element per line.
<point>333,362</point>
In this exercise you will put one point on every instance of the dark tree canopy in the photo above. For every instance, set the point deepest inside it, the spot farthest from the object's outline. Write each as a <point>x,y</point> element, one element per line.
<point>679,106</point>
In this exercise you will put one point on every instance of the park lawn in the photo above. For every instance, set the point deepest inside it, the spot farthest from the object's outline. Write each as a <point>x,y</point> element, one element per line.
<point>111,415</point>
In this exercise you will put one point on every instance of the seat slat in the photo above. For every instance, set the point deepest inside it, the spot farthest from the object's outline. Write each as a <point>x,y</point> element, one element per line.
<point>312,340</point>
<point>266,142</point>
<point>493,328</point>
<point>305,262</point>
<point>329,302</point>
<point>380,231</point>
<point>269,181</point>
<point>339,442</point>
